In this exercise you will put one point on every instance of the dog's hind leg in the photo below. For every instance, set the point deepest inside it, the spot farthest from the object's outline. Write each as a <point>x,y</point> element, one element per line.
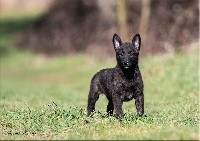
<point>110,108</point>
<point>92,98</point>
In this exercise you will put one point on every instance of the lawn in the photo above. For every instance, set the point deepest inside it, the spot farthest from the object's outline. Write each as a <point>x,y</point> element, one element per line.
<point>46,98</point>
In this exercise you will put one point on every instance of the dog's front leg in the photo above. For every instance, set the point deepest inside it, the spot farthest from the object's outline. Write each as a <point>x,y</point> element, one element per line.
<point>139,103</point>
<point>117,102</point>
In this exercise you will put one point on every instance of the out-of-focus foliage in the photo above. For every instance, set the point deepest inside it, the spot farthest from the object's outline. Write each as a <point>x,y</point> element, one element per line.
<point>87,26</point>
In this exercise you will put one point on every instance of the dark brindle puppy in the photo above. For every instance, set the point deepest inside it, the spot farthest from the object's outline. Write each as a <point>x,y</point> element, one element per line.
<point>122,83</point>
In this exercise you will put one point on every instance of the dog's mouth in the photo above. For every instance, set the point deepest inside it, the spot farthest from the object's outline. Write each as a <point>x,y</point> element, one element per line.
<point>126,67</point>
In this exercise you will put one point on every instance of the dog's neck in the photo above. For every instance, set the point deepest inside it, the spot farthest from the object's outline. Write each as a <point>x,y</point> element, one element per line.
<point>127,73</point>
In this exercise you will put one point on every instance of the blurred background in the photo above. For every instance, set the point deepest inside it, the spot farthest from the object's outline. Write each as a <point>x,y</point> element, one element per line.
<point>50,49</point>
<point>68,27</point>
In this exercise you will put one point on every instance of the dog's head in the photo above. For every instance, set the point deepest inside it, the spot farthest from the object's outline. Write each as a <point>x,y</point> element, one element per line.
<point>127,53</point>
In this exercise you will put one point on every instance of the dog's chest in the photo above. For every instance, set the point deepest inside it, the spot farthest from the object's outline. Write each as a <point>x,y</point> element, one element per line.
<point>126,89</point>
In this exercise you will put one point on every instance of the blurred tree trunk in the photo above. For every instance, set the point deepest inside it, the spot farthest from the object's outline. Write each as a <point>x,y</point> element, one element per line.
<point>145,17</point>
<point>106,19</point>
<point>122,18</point>
<point>107,14</point>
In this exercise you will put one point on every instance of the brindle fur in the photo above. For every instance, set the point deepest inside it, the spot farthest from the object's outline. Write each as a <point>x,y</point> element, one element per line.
<point>122,83</point>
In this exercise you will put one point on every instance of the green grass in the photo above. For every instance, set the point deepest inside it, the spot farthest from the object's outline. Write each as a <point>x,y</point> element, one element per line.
<point>46,98</point>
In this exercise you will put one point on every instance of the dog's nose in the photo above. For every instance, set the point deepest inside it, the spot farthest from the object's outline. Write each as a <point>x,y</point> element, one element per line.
<point>126,63</point>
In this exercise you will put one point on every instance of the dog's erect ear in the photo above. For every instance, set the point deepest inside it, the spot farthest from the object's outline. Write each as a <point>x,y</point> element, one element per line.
<point>136,41</point>
<point>116,41</point>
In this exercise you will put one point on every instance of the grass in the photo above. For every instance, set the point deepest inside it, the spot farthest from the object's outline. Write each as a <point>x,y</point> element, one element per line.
<point>46,98</point>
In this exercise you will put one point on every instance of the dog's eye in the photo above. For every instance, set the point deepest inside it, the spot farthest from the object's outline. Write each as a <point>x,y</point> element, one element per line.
<point>131,53</point>
<point>121,54</point>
